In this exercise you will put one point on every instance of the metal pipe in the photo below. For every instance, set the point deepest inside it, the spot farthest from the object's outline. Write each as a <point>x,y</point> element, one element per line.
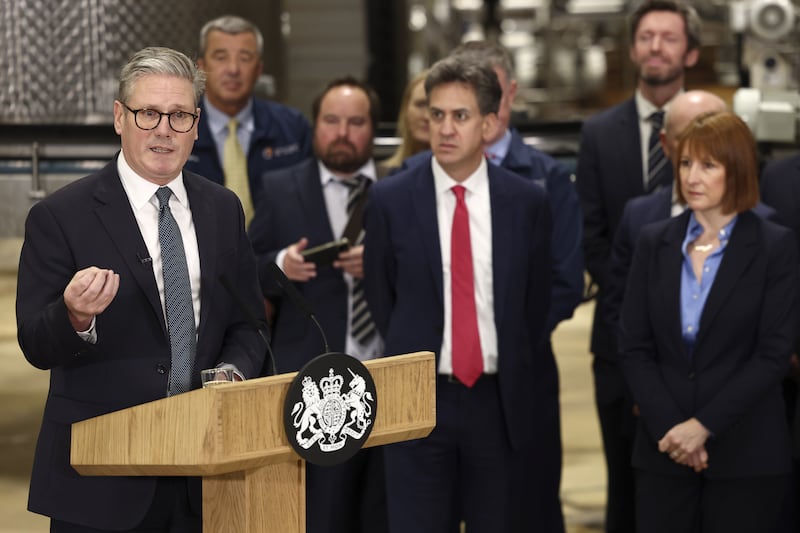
<point>36,192</point>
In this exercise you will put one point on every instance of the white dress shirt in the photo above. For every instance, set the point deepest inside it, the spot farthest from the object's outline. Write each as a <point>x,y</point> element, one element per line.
<point>480,231</point>
<point>142,197</point>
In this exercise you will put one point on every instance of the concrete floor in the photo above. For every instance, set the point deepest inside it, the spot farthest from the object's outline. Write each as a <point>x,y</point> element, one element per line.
<point>22,398</point>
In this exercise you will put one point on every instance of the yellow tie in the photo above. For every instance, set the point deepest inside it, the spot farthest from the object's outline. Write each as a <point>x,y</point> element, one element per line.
<point>235,168</point>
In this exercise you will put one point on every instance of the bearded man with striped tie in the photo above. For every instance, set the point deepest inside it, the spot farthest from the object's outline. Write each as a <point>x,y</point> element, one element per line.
<point>319,201</point>
<point>620,158</point>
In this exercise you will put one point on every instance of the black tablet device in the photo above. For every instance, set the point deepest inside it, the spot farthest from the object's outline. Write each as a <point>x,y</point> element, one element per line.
<point>325,254</point>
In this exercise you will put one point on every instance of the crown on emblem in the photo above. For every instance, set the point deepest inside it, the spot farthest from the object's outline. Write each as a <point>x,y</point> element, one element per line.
<point>331,385</point>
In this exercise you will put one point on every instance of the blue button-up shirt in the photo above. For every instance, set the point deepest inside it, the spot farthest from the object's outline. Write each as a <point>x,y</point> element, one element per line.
<point>694,292</point>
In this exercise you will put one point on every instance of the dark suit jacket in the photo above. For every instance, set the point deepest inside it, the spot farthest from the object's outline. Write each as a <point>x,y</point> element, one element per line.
<point>780,189</point>
<point>566,242</point>
<point>639,212</point>
<point>731,384</point>
<point>609,173</point>
<point>404,285</point>
<point>90,222</point>
<point>294,207</point>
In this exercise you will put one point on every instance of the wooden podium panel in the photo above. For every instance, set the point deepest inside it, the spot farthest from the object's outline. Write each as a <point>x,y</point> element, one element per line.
<point>233,436</point>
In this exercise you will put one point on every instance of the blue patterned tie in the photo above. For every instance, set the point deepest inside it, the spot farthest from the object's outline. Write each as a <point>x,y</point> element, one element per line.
<point>177,297</point>
<point>657,175</point>
<point>361,325</point>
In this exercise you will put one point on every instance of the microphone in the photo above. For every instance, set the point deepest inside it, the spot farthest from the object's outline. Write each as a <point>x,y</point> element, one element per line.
<point>144,259</point>
<point>300,302</point>
<point>259,327</point>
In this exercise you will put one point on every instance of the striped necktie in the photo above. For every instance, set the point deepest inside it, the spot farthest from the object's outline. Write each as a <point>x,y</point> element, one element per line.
<point>362,328</point>
<point>657,172</point>
<point>177,297</point>
<point>235,168</point>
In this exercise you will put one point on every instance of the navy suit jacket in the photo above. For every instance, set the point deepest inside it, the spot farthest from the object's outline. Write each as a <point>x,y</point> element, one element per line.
<point>281,138</point>
<point>293,208</point>
<point>638,213</point>
<point>404,282</point>
<point>732,381</point>
<point>780,188</point>
<point>553,177</point>
<point>90,223</point>
<point>609,173</point>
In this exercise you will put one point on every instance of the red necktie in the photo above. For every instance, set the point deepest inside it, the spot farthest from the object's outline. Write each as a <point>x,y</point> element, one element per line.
<point>467,358</point>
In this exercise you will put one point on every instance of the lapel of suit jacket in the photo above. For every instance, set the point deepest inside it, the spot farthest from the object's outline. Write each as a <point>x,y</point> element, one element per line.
<point>205,221</point>
<point>670,264</point>
<point>502,229</point>
<point>307,178</point>
<point>629,139</point>
<point>423,198</point>
<point>740,252</point>
<point>115,213</point>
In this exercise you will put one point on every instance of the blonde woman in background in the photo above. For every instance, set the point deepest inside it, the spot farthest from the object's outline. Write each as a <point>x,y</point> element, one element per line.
<point>412,123</point>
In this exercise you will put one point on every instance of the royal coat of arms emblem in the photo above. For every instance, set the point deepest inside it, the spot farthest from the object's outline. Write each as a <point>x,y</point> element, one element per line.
<point>334,415</point>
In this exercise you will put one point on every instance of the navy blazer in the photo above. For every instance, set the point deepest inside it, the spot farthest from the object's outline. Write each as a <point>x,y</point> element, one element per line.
<point>639,212</point>
<point>780,188</point>
<point>293,206</point>
<point>609,173</point>
<point>404,282</point>
<point>90,223</point>
<point>553,177</point>
<point>281,138</point>
<point>731,383</point>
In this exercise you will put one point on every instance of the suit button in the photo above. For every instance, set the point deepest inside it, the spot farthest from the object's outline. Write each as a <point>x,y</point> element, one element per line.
<point>161,369</point>
<point>691,375</point>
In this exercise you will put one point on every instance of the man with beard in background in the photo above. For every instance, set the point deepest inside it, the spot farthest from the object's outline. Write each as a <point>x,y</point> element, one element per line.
<point>620,158</point>
<point>307,206</point>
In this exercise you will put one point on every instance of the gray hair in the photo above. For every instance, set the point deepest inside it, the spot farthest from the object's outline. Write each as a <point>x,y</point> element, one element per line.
<point>232,25</point>
<point>481,78</point>
<point>486,53</point>
<point>160,61</point>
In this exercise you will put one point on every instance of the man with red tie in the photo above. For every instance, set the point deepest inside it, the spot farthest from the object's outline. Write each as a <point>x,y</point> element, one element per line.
<point>457,261</point>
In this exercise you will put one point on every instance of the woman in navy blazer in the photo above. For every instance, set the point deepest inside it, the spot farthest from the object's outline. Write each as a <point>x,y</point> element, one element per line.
<point>707,328</point>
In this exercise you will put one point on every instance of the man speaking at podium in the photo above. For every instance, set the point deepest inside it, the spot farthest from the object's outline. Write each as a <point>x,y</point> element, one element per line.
<point>119,296</point>
<point>457,261</point>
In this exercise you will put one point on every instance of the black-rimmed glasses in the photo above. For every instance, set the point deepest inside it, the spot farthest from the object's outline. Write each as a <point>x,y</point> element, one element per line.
<point>149,119</point>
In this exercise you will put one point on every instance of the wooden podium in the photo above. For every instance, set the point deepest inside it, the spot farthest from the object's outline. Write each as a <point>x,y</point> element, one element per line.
<point>233,436</point>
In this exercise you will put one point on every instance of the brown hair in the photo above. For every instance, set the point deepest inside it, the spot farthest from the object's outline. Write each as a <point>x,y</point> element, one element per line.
<point>725,138</point>
<point>691,20</point>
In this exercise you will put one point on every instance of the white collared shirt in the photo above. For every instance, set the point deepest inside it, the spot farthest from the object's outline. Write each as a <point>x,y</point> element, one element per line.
<point>480,229</point>
<point>141,195</point>
<point>336,194</point>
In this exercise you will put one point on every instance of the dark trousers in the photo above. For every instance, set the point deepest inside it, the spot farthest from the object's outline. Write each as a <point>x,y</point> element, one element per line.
<point>617,426</point>
<point>348,497</point>
<point>170,512</point>
<point>695,504</point>
<point>464,471</point>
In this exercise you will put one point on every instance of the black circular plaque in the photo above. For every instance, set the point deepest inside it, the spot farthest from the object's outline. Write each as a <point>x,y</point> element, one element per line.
<point>330,409</point>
